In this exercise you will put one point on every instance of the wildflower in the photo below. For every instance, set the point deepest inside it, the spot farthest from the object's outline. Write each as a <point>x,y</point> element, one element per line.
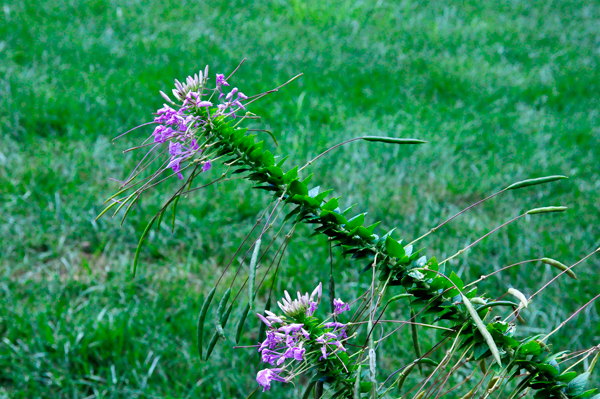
<point>206,167</point>
<point>263,318</point>
<point>303,305</point>
<point>264,378</point>
<point>194,83</point>
<point>175,164</point>
<point>340,306</point>
<point>295,352</point>
<point>220,81</point>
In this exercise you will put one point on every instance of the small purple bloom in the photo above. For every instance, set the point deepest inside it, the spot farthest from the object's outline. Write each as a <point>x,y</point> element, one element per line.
<point>295,352</point>
<point>340,306</point>
<point>272,357</point>
<point>272,317</point>
<point>175,148</point>
<point>324,352</point>
<point>175,165</point>
<point>312,307</point>
<point>264,378</point>
<point>264,320</point>
<point>206,167</point>
<point>221,81</point>
<point>270,342</point>
<point>290,328</point>
<point>204,104</point>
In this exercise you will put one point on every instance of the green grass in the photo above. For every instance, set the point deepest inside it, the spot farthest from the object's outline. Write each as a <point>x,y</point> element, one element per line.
<point>502,90</point>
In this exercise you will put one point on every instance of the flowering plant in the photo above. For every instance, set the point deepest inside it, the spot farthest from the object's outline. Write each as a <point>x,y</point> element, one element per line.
<point>301,337</point>
<point>197,129</point>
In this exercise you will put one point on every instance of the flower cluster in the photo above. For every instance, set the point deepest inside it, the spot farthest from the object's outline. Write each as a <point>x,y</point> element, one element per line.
<point>298,336</point>
<point>331,341</point>
<point>178,124</point>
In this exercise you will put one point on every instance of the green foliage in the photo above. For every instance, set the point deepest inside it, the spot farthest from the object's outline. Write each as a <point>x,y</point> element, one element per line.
<point>498,93</point>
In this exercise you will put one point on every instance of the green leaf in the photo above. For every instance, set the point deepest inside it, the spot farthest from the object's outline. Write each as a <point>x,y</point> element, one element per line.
<point>296,187</point>
<point>256,155</point>
<point>393,140</point>
<point>548,369</point>
<point>577,384</point>
<point>586,394</point>
<point>290,175</point>
<point>282,161</point>
<point>394,248</point>
<point>275,171</point>
<point>567,376</point>
<point>331,205</point>
<point>313,192</point>
<point>530,348</point>
<point>356,221</point>
<point>458,282</point>
<point>481,350</point>
<point>533,182</point>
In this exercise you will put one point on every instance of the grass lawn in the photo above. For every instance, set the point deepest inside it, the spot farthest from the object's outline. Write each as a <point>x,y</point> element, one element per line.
<point>502,90</point>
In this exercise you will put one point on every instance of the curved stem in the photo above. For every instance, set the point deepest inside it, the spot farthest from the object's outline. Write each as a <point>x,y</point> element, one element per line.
<point>456,215</point>
<point>326,151</point>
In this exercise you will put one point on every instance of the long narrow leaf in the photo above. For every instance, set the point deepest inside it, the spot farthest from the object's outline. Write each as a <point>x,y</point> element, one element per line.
<point>240,326</point>
<point>482,329</point>
<point>533,182</point>
<point>252,273</point>
<point>220,313</point>
<point>202,317</point>
<point>139,247</point>
<point>393,140</point>
<point>415,338</point>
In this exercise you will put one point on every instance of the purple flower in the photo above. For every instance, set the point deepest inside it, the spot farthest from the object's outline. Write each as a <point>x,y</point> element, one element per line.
<point>271,341</point>
<point>221,81</point>
<point>324,352</point>
<point>175,164</point>
<point>291,328</point>
<point>162,133</point>
<point>338,328</point>
<point>272,357</point>
<point>295,352</point>
<point>340,346</point>
<point>272,317</point>
<point>261,317</point>
<point>165,114</point>
<point>175,148</point>
<point>340,306</point>
<point>232,93</point>
<point>312,307</point>
<point>264,378</point>
<point>206,167</point>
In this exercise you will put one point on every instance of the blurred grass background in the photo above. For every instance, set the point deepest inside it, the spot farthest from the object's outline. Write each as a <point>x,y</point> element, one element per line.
<point>502,90</point>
